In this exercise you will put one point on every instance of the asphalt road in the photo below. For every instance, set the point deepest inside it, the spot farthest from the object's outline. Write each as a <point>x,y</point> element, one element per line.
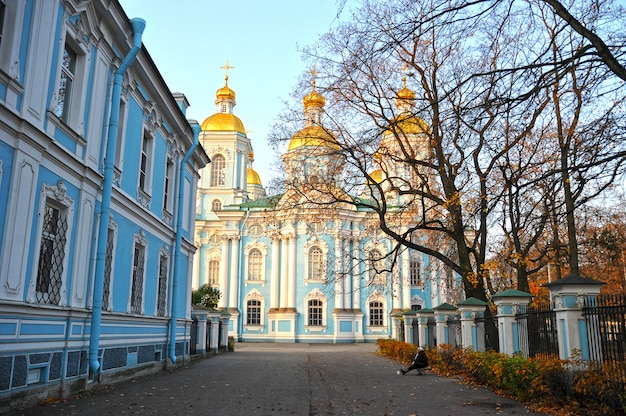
<point>287,379</point>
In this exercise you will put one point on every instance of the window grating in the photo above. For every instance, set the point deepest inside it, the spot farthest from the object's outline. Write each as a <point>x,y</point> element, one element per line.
<point>51,255</point>
<point>315,312</point>
<point>161,301</point>
<point>108,264</point>
<point>254,312</point>
<point>137,291</point>
<point>376,314</point>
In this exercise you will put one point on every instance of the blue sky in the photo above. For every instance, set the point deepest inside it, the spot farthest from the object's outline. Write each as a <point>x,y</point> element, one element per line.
<point>189,40</point>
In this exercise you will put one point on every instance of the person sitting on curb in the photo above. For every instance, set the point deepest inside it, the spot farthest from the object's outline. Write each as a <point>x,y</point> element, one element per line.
<point>420,361</point>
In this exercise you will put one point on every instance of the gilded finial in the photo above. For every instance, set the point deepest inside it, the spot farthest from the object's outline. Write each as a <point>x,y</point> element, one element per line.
<point>313,73</point>
<point>226,67</point>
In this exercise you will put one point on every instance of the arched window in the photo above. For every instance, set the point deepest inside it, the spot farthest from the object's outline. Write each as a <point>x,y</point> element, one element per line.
<point>315,310</point>
<point>214,272</point>
<point>217,170</point>
<point>316,258</point>
<point>255,261</point>
<point>376,312</point>
<point>253,312</point>
<point>216,205</point>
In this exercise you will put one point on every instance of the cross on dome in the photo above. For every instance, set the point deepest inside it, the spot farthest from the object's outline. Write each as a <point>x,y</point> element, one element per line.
<point>227,67</point>
<point>313,73</point>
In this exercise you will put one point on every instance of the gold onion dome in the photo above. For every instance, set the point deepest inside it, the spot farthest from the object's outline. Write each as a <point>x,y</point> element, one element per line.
<point>313,136</point>
<point>376,177</point>
<point>253,177</point>
<point>225,93</point>
<point>223,122</point>
<point>314,99</point>
<point>409,125</point>
<point>406,94</point>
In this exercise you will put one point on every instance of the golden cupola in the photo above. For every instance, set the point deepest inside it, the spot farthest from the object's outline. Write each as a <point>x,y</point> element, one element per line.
<point>406,121</point>
<point>224,119</point>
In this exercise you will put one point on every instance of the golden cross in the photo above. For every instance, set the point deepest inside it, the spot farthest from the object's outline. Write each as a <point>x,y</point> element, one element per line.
<point>313,73</point>
<point>227,67</point>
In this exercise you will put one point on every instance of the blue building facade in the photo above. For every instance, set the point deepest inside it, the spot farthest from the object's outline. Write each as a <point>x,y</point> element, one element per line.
<point>98,176</point>
<point>301,266</point>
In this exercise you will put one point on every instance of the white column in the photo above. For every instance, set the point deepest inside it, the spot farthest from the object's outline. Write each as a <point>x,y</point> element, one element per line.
<point>291,299</point>
<point>406,280</point>
<point>274,274</point>
<point>339,279</point>
<point>356,276</point>
<point>224,274</point>
<point>396,293</point>
<point>233,291</point>
<point>284,267</point>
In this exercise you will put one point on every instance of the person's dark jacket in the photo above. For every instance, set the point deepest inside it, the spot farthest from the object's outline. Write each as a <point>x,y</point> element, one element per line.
<point>420,360</point>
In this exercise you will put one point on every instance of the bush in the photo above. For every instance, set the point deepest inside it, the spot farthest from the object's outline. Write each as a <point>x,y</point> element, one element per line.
<point>206,296</point>
<point>541,381</point>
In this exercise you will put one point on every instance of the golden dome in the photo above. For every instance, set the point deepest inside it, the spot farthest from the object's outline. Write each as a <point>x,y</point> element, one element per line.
<point>225,93</point>
<point>253,177</point>
<point>313,136</point>
<point>376,177</point>
<point>410,125</point>
<point>314,98</point>
<point>223,122</point>
<point>406,94</point>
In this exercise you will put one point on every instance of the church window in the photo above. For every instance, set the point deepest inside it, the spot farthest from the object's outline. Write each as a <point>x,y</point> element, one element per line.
<point>415,272</point>
<point>316,258</point>
<point>145,163</point>
<point>256,230</point>
<point>255,261</point>
<point>51,255</point>
<point>376,312</point>
<point>214,239</point>
<point>162,289</point>
<point>168,188</point>
<point>136,294</point>
<point>218,164</point>
<point>68,71</point>
<point>108,268</point>
<point>253,312</point>
<point>214,272</point>
<point>315,312</point>
<point>223,108</point>
<point>216,205</point>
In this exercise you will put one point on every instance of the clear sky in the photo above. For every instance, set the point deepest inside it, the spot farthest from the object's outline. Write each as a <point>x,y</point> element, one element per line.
<point>189,40</point>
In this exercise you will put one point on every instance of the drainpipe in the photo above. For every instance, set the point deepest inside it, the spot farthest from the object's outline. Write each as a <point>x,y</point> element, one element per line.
<point>138,26</point>
<point>195,127</point>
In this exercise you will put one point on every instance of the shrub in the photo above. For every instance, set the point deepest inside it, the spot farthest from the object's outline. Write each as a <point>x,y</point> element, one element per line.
<point>206,296</point>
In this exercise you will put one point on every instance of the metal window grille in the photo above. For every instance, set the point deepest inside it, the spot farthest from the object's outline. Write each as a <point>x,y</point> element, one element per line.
<point>214,272</point>
<point>376,314</point>
<point>137,291</point>
<point>65,83</point>
<point>51,255</point>
<point>254,312</point>
<point>315,263</point>
<point>108,264</point>
<point>315,312</point>
<point>143,166</point>
<point>162,296</point>
<point>254,265</point>
<point>414,272</point>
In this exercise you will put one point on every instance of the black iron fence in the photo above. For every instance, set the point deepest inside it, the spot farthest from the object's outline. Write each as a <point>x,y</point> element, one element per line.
<point>537,332</point>
<point>605,317</point>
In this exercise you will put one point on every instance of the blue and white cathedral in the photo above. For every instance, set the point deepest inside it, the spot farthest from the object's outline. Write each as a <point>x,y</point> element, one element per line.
<point>290,269</point>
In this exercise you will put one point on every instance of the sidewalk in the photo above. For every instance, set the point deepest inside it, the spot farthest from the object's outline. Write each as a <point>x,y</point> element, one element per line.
<point>288,379</point>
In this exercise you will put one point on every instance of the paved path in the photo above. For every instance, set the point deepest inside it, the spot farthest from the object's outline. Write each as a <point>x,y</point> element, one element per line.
<point>288,379</point>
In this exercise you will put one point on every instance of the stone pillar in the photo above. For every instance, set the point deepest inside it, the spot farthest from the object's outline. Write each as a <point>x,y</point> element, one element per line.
<point>223,302</point>
<point>409,317</point>
<point>443,312</point>
<point>472,336</point>
<point>213,318</point>
<point>224,320</point>
<point>509,303</point>
<point>423,316</point>
<point>568,296</point>
<point>200,316</point>
<point>291,297</point>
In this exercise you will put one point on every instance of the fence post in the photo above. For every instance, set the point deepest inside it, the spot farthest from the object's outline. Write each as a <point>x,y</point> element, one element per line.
<point>200,315</point>
<point>568,297</point>
<point>214,336</point>
<point>442,313</point>
<point>471,335</point>
<point>422,316</point>
<point>509,303</point>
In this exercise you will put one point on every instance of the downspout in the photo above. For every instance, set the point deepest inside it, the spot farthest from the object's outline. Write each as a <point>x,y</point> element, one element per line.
<point>195,127</point>
<point>138,26</point>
